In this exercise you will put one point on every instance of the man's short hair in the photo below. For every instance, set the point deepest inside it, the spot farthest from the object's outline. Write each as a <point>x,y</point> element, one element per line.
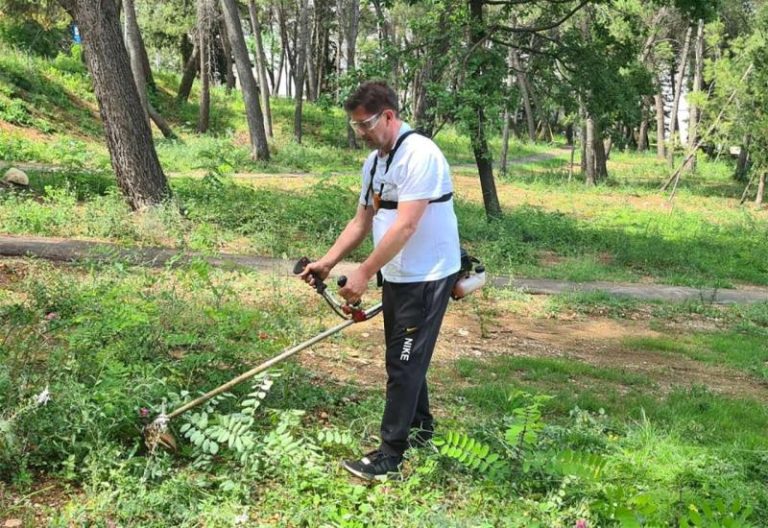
<point>374,96</point>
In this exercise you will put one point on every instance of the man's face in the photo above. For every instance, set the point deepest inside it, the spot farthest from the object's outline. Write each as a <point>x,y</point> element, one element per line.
<point>374,129</point>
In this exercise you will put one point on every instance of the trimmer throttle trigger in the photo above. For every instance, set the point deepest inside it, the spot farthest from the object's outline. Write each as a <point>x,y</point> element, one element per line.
<point>302,263</point>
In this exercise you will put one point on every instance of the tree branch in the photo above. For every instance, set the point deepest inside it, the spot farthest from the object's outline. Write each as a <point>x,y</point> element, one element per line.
<point>541,28</point>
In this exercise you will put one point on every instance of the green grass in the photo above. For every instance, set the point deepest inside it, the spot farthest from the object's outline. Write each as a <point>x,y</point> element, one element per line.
<point>122,338</point>
<point>555,371</point>
<point>703,417</point>
<point>623,245</point>
<point>735,349</point>
<point>45,94</point>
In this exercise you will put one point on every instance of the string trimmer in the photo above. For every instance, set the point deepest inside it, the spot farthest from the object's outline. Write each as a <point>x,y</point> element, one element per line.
<point>158,433</point>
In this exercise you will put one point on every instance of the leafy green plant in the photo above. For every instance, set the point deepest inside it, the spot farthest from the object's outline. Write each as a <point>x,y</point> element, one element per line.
<point>716,514</point>
<point>470,452</point>
<point>525,423</point>
<point>11,444</point>
<point>209,431</point>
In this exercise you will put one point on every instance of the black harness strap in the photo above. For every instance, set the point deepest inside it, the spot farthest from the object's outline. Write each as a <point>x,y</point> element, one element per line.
<point>390,204</point>
<point>399,142</point>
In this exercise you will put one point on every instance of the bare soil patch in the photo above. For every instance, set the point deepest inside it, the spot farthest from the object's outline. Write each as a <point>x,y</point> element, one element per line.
<point>358,357</point>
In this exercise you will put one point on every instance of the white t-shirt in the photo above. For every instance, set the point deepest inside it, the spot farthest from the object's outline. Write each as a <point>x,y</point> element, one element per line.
<point>418,171</point>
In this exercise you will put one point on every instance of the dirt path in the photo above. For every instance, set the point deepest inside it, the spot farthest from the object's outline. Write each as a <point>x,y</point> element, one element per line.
<point>47,167</point>
<point>76,250</point>
<point>359,356</point>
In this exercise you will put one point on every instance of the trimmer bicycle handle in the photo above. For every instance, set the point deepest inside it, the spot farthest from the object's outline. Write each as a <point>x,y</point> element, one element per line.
<point>343,310</point>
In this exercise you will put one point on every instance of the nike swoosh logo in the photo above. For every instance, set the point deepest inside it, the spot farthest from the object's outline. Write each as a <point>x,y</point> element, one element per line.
<point>411,329</point>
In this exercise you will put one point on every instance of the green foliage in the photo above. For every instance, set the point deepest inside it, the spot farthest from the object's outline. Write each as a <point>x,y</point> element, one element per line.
<point>716,514</point>
<point>33,37</point>
<point>49,95</point>
<point>739,81</point>
<point>525,422</point>
<point>122,338</point>
<point>209,430</point>
<point>472,453</point>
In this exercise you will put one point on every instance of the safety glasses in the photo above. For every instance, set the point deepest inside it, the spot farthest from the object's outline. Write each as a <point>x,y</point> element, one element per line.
<point>366,124</point>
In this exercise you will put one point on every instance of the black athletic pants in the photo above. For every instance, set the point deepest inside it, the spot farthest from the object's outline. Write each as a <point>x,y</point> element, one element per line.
<point>413,313</point>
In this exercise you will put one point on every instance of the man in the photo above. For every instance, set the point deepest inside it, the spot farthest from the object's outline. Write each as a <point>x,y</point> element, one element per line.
<point>406,199</point>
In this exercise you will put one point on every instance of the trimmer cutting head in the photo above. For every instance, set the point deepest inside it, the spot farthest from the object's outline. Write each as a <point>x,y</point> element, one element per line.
<point>157,434</point>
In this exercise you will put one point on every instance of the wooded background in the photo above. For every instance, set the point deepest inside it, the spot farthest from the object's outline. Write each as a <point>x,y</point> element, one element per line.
<point>681,76</point>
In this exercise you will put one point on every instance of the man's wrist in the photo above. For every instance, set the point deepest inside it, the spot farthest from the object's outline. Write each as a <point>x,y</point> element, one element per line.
<point>365,269</point>
<point>329,261</point>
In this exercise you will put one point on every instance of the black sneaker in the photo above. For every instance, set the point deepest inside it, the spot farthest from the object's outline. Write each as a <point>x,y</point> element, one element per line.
<point>376,465</point>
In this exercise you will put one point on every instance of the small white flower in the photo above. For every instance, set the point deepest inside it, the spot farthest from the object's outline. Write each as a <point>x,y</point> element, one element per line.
<point>242,519</point>
<point>43,397</point>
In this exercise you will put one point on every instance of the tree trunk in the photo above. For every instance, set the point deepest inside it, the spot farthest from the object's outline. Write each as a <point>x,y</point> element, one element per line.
<point>325,34</point>
<point>141,49</point>
<point>601,157</point>
<point>479,141</point>
<point>693,113</point>
<point>432,71</point>
<point>339,45</point>
<point>385,28</point>
<point>760,189</point>
<point>131,35</point>
<point>642,135</point>
<point>205,14</point>
<point>186,48</point>
<point>301,63</point>
<point>683,62</point>
<point>230,73</point>
<point>589,146</point>
<point>350,20</point>
<point>742,164</point>
<point>253,115</point>
<point>661,140</point>
<point>290,69</point>
<point>190,71</point>
<point>522,83</point>
<point>485,168</point>
<point>129,138</point>
<point>261,66</point>
<point>161,123</point>
<point>583,138</point>
<point>136,52</point>
<point>311,47</point>
<point>276,86</point>
<point>420,106</point>
<point>504,142</point>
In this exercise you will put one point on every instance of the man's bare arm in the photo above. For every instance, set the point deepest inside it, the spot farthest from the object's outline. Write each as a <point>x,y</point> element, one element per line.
<point>353,234</point>
<point>408,216</point>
